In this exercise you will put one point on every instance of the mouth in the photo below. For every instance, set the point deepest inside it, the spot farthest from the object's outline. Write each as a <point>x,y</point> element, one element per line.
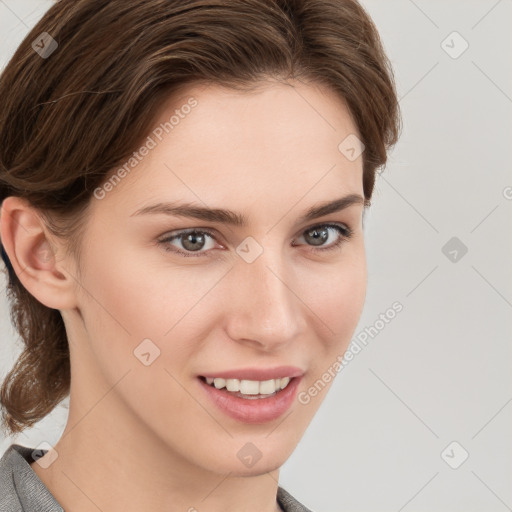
<point>249,400</point>
<point>248,389</point>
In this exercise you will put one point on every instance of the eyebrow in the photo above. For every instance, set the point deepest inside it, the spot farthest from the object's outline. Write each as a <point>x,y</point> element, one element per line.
<point>236,219</point>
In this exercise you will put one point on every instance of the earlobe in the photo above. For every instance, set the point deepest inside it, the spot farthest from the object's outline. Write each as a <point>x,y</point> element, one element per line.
<point>26,240</point>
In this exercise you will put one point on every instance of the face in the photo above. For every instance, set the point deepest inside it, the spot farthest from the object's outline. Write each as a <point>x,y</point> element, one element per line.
<point>169,301</point>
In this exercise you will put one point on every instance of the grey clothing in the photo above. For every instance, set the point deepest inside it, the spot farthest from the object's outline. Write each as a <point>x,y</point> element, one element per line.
<point>21,490</point>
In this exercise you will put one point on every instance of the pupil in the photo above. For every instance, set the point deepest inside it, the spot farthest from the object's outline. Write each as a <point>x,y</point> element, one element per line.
<point>319,236</point>
<point>193,238</point>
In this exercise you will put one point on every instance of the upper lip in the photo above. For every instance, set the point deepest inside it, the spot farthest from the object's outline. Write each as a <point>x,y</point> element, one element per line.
<point>259,374</point>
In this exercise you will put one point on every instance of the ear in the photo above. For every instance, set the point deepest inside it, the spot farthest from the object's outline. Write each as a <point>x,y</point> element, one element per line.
<point>35,254</point>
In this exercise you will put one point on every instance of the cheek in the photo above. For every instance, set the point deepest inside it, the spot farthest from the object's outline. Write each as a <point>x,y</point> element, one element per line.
<point>133,298</point>
<point>128,304</point>
<point>339,304</point>
<point>337,299</point>
<point>341,288</point>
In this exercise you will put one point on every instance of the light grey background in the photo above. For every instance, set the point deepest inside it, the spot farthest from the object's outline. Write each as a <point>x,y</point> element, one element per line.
<point>440,370</point>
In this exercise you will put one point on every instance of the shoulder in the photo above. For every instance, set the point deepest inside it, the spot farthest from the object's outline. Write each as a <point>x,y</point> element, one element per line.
<point>20,487</point>
<point>9,499</point>
<point>288,503</point>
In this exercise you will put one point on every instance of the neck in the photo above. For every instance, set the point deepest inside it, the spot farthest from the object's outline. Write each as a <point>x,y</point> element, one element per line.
<point>99,467</point>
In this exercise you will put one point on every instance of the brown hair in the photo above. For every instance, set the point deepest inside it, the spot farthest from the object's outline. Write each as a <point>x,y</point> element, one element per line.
<point>67,120</point>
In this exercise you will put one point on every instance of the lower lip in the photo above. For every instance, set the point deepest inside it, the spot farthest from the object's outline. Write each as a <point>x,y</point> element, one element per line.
<point>258,410</point>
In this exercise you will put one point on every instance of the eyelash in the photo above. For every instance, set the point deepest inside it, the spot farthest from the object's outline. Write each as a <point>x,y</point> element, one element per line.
<point>344,231</point>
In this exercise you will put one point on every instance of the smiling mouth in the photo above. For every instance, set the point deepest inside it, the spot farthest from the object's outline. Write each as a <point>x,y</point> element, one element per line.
<point>248,389</point>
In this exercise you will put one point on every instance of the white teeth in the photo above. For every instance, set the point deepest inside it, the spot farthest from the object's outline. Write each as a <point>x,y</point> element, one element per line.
<point>268,387</point>
<point>250,387</point>
<point>233,385</point>
<point>219,383</point>
<point>284,382</point>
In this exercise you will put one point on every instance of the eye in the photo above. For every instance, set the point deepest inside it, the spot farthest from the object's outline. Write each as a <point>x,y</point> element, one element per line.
<point>320,233</point>
<point>192,241</point>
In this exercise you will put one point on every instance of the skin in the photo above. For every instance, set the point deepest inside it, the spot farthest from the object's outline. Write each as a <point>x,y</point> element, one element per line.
<point>146,437</point>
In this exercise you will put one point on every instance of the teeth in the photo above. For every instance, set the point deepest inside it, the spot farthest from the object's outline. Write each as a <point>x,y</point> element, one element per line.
<point>284,382</point>
<point>232,385</point>
<point>268,387</point>
<point>219,383</point>
<point>249,387</point>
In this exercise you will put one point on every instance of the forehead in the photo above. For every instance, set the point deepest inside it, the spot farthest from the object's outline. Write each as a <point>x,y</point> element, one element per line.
<point>275,114</point>
<point>212,145</point>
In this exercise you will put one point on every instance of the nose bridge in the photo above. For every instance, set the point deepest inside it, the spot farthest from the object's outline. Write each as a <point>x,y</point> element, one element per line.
<point>266,308</point>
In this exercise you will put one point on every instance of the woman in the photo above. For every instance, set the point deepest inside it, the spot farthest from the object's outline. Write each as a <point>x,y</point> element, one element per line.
<point>183,185</point>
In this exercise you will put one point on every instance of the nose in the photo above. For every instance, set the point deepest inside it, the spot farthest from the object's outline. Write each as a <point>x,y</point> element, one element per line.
<point>264,310</point>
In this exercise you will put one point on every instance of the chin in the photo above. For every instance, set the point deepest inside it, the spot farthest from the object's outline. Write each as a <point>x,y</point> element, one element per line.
<point>250,459</point>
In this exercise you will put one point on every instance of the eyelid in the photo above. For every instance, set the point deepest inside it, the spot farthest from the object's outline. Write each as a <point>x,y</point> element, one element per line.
<point>176,233</point>
<point>214,232</point>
